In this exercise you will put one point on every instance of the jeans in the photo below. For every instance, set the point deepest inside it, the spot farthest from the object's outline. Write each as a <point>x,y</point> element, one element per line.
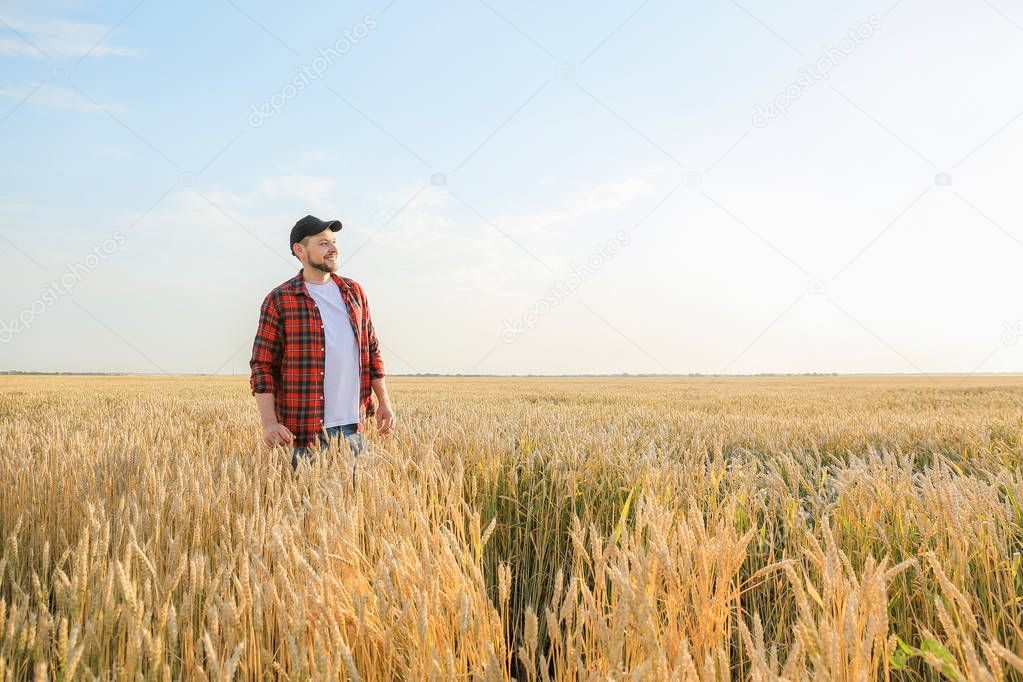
<point>328,436</point>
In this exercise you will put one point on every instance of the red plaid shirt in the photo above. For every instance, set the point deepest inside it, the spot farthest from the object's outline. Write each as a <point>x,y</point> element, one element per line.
<point>287,355</point>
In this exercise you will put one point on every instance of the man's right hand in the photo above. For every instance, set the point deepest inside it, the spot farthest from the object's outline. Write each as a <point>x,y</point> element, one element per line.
<point>277,434</point>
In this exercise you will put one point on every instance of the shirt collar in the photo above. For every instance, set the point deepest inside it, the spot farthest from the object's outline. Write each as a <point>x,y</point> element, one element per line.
<point>297,283</point>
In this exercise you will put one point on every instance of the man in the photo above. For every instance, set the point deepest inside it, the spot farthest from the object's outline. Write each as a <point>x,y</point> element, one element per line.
<point>316,356</point>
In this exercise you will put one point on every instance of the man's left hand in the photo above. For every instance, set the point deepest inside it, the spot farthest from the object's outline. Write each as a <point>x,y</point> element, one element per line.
<point>385,419</point>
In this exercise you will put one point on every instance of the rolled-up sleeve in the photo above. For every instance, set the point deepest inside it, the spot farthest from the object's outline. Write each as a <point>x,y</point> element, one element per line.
<point>266,349</point>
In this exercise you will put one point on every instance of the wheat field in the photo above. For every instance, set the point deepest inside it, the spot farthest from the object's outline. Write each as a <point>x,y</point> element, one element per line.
<point>834,528</point>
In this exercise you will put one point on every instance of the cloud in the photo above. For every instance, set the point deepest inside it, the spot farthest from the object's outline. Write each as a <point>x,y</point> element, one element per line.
<point>430,211</point>
<point>314,155</point>
<point>54,97</point>
<point>430,196</point>
<point>60,40</point>
<point>209,222</point>
<point>191,227</point>
<point>434,232</point>
<point>479,258</point>
<point>429,217</point>
<point>11,206</point>
<point>422,225</point>
<point>310,189</point>
<point>584,205</point>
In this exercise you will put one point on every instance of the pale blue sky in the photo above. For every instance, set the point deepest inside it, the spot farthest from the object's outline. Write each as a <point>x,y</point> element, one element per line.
<point>478,151</point>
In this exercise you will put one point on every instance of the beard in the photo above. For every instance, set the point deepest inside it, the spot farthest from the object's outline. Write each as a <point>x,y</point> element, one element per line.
<point>323,265</point>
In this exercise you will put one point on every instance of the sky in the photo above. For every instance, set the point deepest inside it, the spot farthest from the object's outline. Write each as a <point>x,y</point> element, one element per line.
<point>525,187</point>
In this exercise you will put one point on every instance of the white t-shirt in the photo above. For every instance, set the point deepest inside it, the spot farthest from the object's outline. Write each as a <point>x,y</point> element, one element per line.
<point>341,356</point>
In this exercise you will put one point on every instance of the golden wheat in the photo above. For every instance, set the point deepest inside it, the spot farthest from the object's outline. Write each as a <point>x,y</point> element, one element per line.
<point>857,528</point>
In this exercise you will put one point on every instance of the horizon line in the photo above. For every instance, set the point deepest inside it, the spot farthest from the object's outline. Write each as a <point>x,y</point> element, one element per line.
<point>512,376</point>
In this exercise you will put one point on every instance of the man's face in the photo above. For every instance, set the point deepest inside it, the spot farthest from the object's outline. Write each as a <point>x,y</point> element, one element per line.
<point>319,251</point>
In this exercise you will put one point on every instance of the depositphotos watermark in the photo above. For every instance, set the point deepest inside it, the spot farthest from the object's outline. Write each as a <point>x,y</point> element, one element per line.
<point>307,73</point>
<point>61,286</point>
<point>560,289</point>
<point>819,70</point>
<point>1012,332</point>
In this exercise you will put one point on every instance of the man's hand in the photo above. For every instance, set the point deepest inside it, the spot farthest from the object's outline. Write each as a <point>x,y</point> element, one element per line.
<point>385,418</point>
<point>276,434</point>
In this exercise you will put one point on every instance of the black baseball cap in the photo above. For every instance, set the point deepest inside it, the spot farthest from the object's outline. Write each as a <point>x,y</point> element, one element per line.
<point>311,225</point>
